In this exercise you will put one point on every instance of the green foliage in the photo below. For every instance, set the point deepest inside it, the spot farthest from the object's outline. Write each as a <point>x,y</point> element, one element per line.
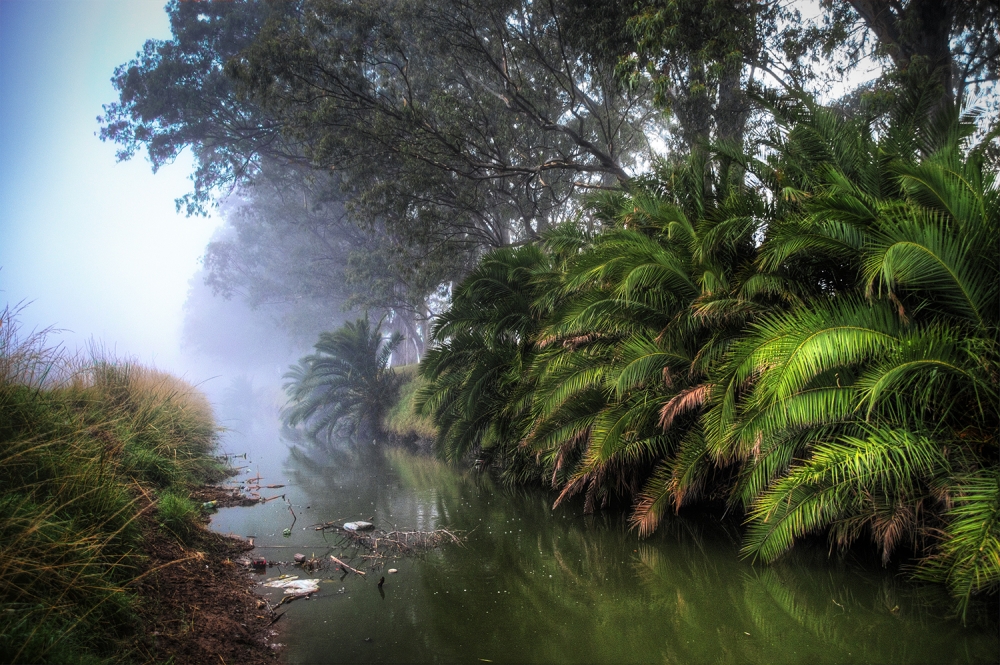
<point>83,450</point>
<point>485,342</point>
<point>346,385</point>
<point>178,514</point>
<point>806,328</point>
<point>403,418</point>
<point>819,350</point>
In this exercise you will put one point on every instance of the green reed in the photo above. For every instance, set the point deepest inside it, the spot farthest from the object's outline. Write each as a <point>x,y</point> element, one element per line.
<point>93,454</point>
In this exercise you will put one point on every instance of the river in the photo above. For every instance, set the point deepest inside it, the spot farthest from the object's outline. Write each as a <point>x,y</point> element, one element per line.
<point>535,585</point>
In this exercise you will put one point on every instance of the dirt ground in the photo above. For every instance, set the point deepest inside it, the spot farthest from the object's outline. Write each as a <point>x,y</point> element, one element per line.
<point>199,606</point>
<point>224,497</point>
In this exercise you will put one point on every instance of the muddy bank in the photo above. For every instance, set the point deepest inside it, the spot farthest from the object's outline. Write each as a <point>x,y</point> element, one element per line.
<point>199,605</point>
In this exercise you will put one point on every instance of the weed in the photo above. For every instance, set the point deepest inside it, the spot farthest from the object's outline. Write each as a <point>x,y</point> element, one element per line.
<point>85,447</point>
<point>177,514</point>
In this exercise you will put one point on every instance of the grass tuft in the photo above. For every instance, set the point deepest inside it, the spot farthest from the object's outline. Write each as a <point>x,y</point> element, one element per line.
<point>86,447</point>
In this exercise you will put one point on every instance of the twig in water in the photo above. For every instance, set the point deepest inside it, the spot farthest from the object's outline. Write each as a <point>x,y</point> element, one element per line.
<point>346,567</point>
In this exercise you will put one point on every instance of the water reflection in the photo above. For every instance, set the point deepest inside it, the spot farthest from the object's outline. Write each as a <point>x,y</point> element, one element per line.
<point>536,585</point>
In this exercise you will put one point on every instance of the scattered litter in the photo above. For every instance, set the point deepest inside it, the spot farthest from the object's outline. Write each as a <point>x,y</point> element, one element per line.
<point>345,567</point>
<point>359,526</point>
<point>392,543</point>
<point>392,571</point>
<point>294,587</point>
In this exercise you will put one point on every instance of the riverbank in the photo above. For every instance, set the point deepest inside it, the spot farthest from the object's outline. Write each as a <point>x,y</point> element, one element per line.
<point>200,606</point>
<point>402,423</point>
<point>105,557</point>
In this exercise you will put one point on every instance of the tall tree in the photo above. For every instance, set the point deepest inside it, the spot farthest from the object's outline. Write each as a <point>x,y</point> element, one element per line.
<point>291,244</point>
<point>175,95</point>
<point>953,42</point>
<point>488,94</point>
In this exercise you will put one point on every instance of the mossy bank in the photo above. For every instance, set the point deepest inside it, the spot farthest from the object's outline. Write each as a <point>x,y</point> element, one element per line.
<point>403,421</point>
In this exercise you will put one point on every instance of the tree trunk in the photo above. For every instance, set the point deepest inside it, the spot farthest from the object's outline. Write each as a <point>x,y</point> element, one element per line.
<point>916,37</point>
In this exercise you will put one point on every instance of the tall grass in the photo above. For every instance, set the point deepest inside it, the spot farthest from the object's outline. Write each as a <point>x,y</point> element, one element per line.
<point>88,452</point>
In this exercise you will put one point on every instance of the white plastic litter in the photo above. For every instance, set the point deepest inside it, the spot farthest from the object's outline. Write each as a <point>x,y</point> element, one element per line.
<point>295,586</point>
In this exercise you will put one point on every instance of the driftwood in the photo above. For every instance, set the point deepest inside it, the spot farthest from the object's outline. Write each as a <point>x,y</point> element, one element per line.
<point>346,567</point>
<point>393,543</point>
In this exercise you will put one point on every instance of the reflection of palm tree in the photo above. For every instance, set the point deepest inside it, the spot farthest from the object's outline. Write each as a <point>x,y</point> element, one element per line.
<point>346,384</point>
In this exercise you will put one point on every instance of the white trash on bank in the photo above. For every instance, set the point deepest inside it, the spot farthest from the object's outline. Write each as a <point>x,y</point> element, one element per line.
<point>294,586</point>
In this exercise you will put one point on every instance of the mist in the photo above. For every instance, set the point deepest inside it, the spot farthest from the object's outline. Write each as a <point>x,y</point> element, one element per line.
<point>95,246</point>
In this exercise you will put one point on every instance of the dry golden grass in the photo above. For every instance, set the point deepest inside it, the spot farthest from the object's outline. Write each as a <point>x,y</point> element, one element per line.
<point>87,449</point>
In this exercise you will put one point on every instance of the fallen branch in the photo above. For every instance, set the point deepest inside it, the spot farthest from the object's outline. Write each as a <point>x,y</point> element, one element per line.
<point>346,567</point>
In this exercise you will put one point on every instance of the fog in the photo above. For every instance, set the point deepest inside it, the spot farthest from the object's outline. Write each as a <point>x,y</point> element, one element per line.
<point>95,247</point>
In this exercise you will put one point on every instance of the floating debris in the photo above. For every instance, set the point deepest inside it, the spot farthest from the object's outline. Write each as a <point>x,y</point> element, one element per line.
<point>381,544</point>
<point>293,586</point>
<point>358,526</point>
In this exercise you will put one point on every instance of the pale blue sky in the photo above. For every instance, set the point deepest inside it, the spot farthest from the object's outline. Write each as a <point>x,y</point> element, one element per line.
<point>96,245</point>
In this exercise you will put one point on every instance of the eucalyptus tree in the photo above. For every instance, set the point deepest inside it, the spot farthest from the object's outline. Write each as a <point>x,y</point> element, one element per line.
<point>449,128</point>
<point>346,385</point>
<point>707,59</point>
<point>291,245</point>
<point>175,95</point>
<point>952,43</point>
<point>480,99</point>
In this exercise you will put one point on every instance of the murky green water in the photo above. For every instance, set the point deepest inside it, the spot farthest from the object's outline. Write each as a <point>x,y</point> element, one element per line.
<point>533,585</point>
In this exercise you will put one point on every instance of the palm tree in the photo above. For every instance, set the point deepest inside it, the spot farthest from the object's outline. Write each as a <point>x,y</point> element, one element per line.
<point>816,342</point>
<point>346,384</point>
<point>482,347</point>
<point>870,407</point>
<point>646,309</point>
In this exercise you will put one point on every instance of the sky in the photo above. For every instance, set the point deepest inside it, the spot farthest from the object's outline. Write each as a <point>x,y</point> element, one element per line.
<point>95,246</point>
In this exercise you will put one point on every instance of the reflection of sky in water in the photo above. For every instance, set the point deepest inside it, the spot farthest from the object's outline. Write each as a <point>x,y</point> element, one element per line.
<point>536,585</point>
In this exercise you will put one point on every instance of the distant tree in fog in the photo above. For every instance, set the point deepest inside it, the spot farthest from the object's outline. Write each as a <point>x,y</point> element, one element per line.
<point>345,386</point>
<point>292,245</point>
